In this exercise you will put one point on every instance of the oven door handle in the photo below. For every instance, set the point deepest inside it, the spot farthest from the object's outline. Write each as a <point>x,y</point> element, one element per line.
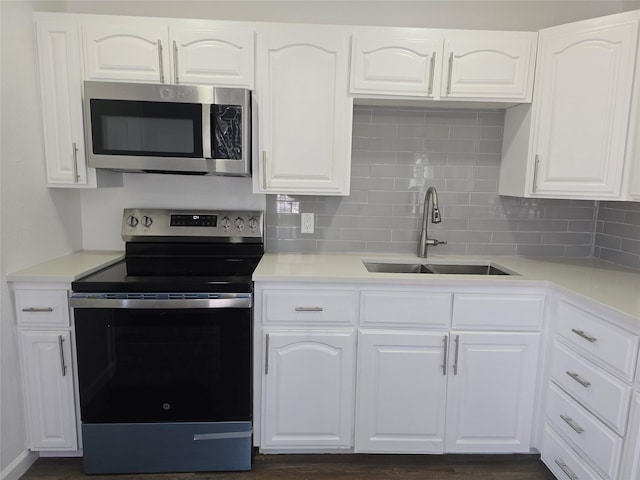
<point>221,301</point>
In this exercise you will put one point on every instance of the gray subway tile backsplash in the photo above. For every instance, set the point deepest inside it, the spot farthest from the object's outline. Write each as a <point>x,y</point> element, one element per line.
<point>399,152</point>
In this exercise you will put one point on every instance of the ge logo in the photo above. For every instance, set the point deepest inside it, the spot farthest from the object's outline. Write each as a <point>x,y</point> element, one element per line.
<point>166,406</point>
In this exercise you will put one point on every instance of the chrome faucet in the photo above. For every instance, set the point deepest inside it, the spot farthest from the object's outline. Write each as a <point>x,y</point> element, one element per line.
<point>425,241</point>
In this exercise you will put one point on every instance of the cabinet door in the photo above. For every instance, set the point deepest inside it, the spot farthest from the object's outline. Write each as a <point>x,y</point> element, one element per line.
<point>126,51</point>
<point>401,391</point>
<point>306,113</point>
<point>221,57</point>
<point>402,62</point>
<point>308,388</point>
<point>631,454</point>
<point>61,97</point>
<point>48,384</point>
<point>583,86</point>
<point>491,389</point>
<point>489,65</point>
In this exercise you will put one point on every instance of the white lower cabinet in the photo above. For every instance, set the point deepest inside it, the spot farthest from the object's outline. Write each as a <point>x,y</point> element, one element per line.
<point>48,368</point>
<point>631,456</point>
<point>588,395</point>
<point>401,391</point>
<point>419,387</point>
<point>48,383</point>
<point>491,392</point>
<point>308,389</point>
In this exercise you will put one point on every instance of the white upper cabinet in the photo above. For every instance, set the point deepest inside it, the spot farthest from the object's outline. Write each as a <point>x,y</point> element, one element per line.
<point>60,71</point>
<point>398,61</point>
<point>305,112</point>
<point>495,66</point>
<point>221,56</point>
<point>131,50</point>
<point>585,85</point>
<point>576,135</point>
<point>443,64</point>
<point>155,51</point>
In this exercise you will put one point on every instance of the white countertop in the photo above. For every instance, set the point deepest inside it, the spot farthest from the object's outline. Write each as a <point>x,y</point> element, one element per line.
<point>68,268</point>
<point>614,286</point>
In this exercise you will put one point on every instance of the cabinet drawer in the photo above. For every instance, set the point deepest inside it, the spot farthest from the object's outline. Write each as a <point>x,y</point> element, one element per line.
<point>599,391</point>
<point>310,306</point>
<point>562,460</point>
<point>488,311</point>
<point>598,443</point>
<point>42,308</point>
<point>610,346</point>
<point>406,308</point>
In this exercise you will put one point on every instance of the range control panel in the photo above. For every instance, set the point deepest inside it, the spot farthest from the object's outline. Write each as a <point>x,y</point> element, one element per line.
<point>140,223</point>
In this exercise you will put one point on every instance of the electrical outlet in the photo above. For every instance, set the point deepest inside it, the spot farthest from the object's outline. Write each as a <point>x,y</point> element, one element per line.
<point>306,222</point>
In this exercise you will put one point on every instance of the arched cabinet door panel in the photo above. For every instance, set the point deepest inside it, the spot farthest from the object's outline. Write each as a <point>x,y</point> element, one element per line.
<point>308,386</point>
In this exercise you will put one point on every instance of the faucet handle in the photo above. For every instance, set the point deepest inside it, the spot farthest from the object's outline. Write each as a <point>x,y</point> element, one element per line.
<point>434,242</point>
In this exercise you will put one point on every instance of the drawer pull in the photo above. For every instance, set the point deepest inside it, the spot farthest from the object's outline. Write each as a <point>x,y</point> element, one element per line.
<point>309,309</point>
<point>584,335</point>
<point>578,379</point>
<point>567,471</point>
<point>38,310</point>
<point>571,422</point>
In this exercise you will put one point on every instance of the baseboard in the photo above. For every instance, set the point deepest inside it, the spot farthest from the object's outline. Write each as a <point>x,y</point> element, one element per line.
<point>19,466</point>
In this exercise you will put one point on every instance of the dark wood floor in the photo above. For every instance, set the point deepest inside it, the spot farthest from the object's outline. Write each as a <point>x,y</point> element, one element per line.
<point>334,467</point>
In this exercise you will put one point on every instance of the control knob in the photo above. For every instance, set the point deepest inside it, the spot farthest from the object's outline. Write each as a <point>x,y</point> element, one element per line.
<point>132,221</point>
<point>225,223</point>
<point>239,223</point>
<point>253,223</point>
<point>147,221</point>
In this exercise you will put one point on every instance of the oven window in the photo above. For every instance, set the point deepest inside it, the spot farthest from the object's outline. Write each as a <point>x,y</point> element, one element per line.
<point>168,365</point>
<point>123,127</point>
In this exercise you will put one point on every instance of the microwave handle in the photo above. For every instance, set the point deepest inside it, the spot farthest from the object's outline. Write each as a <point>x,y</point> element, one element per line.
<point>206,131</point>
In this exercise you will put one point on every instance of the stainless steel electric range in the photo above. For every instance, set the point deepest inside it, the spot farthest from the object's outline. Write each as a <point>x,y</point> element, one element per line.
<point>164,344</point>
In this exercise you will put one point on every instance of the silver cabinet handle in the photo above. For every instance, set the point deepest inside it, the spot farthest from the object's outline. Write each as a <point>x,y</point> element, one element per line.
<point>160,61</point>
<point>76,177</point>
<point>266,355</point>
<point>264,170</point>
<point>175,62</point>
<point>567,471</point>
<point>38,309</point>
<point>63,367</point>
<point>431,73</point>
<point>535,173</point>
<point>455,360</point>
<point>578,379</point>
<point>571,422</point>
<point>446,352</point>
<point>450,72</point>
<point>584,335</point>
<point>309,309</point>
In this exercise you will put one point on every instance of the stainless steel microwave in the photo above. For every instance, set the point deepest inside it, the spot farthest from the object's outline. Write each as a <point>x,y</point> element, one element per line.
<point>188,129</point>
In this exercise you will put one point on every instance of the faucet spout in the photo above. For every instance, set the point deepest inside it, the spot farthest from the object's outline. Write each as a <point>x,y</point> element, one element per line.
<point>430,195</point>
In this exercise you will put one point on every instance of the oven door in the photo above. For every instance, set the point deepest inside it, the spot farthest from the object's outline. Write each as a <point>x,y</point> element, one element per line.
<point>145,365</point>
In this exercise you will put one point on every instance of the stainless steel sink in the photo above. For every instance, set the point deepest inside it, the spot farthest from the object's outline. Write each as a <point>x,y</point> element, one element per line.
<point>396,267</point>
<point>467,269</point>
<point>444,269</point>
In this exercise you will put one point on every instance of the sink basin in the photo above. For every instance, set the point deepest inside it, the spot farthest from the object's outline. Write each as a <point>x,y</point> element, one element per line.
<point>467,269</point>
<point>444,269</point>
<point>396,267</point>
